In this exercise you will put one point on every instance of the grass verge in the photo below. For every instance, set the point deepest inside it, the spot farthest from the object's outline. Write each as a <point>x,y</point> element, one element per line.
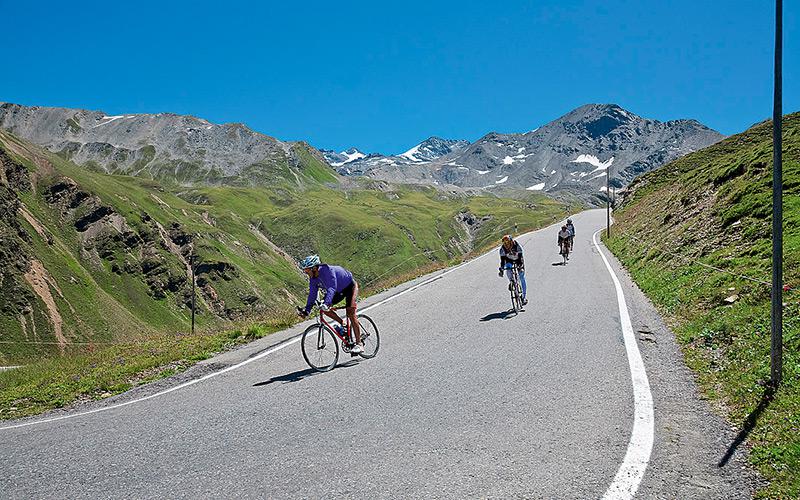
<point>98,371</point>
<point>710,210</point>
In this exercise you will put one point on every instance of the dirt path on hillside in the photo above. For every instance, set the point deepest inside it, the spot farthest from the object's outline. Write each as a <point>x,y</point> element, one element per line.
<point>39,280</point>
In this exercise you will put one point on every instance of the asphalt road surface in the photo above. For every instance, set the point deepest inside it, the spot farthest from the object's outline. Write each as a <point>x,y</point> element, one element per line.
<point>463,400</point>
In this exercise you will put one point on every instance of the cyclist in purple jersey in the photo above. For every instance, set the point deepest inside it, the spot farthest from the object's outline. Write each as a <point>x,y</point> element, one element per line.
<point>338,284</point>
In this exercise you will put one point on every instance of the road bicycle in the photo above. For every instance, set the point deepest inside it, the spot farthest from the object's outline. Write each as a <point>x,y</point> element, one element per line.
<point>515,287</point>
<point>565,251</point>
<point>320,345</point>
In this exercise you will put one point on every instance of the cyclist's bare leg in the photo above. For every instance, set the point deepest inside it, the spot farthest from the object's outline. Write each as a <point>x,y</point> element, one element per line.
<point>351,314</point>
<point>332,314</point>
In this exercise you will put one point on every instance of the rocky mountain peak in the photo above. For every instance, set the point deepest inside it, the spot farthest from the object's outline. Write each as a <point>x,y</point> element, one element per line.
<point>338,159</point>
<point>573,153</point>
<point>432,148</point>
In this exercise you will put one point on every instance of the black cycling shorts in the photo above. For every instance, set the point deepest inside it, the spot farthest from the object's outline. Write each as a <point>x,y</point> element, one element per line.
<point>346,294</point>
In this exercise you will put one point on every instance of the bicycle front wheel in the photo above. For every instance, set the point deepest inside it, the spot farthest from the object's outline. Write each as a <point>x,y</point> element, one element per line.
<point>515,305</point>
<point>370,336</point>
<point>320,349</point>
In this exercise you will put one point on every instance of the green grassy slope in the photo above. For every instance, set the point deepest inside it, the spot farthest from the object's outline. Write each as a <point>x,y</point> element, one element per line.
<point>713,208</point>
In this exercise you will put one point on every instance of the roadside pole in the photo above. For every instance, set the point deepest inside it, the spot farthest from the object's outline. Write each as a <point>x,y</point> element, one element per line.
<point>191,266</point>
<point>608,202</point>
<point>776,350</point>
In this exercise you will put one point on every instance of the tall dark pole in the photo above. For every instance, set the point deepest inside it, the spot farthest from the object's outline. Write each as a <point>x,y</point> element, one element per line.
<point>191,266</point>
<point>608,202</point>
<point>777,207</point>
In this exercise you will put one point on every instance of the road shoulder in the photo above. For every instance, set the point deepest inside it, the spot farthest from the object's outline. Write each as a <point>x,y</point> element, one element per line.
<point>690,438</point>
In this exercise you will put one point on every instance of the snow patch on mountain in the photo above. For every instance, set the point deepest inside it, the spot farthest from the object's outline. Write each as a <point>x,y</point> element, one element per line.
<point>536,187</point>
<point>410,153</point>
<point>108,119</point>
<point>593,160</point>
<point>344,157</point>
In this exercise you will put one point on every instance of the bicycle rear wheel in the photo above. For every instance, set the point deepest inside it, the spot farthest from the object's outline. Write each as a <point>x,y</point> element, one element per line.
<point>320,349</point>
<point>369,336</point>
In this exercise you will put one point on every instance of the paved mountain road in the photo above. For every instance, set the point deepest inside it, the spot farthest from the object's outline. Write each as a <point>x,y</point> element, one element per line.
<point>462,401</point>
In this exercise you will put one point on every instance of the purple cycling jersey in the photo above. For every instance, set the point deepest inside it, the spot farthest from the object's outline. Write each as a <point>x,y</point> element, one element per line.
<point>332,279</point>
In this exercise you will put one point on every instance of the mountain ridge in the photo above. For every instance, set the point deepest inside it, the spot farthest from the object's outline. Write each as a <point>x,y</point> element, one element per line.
<point>547,158</point>
<point>167,146</point>
<point>571,154</point>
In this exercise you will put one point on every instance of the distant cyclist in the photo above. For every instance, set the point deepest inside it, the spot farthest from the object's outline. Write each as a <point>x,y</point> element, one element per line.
<point>563,242</point>
<point>511,252</point>
<point>339,285</point>
<point>571,230</point>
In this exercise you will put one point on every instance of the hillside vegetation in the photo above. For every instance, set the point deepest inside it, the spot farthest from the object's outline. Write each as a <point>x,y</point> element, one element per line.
<point>95,274</point>
<point>713,208</point>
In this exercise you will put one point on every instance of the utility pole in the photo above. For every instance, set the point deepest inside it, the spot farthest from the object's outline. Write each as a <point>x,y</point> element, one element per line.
<point>191,266</point>
<point>776,350</point>
<point>608,202</point>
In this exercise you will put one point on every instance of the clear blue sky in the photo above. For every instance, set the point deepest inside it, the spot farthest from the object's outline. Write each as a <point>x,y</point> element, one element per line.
<point>384,75</point>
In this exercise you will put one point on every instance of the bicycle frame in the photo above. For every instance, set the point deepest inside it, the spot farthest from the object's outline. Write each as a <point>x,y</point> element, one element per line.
<point>323,333</point>
<point>515,292</point>
<point>331,325</point>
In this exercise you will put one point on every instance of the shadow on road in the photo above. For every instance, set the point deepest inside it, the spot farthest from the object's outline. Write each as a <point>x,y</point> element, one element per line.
<point>301,374</point>
<point>749,425</point>
<point>562,263</point>
<point>499,315</point>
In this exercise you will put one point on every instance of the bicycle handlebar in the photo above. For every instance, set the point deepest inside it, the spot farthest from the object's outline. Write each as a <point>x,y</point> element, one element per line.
<point>318,304</point>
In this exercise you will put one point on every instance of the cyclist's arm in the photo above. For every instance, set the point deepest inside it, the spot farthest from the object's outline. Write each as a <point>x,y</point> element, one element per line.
<point>313,288</point>
<point>330,287</point>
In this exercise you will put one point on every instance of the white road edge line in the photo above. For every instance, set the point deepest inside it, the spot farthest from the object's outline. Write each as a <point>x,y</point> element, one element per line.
<point>275,348</point>
<point>640,446</point>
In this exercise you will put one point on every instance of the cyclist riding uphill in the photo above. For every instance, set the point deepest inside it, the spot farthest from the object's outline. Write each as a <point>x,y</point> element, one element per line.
<point>563,241</point>
<point>339,285</point>
<point>571,230</point>
<point>511,253</point>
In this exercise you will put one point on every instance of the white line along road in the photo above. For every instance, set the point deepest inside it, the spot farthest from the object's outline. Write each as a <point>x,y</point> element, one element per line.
<point>637,456</point>
<point>631,472</point>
